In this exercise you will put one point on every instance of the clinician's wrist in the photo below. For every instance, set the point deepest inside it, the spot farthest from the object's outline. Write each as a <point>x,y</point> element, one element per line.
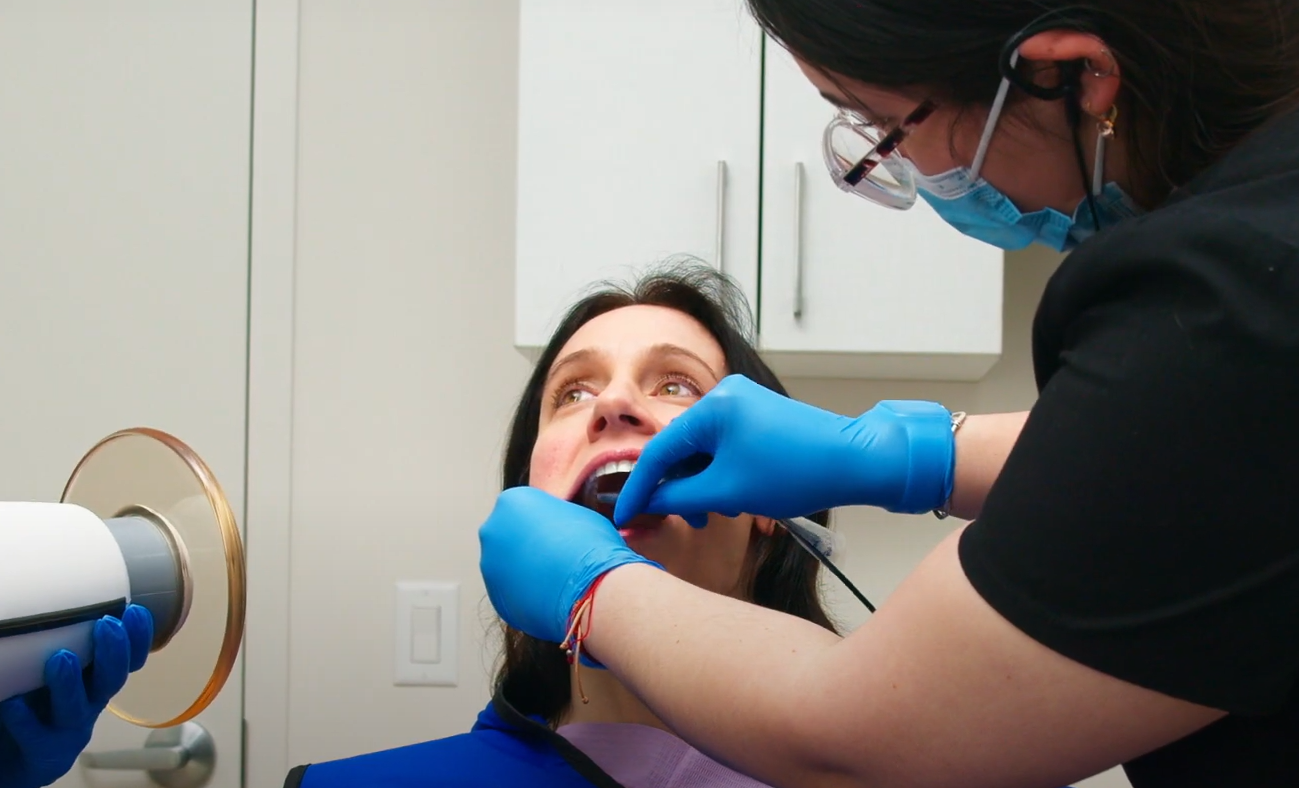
<point>606,594</point>
<point>926,476</point>
<point>614,570</point>
<point>944,510</point>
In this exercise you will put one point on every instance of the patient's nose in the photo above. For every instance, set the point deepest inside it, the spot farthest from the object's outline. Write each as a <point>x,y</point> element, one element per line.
<point>621,409</point>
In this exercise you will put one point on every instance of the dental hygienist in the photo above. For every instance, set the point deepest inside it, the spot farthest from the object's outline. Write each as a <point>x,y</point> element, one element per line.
<point>1129,590</point>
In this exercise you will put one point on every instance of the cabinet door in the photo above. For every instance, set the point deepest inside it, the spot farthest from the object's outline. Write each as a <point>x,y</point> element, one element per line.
<point>885,293</point>
<point>638,141</point>
<point>124,202</point>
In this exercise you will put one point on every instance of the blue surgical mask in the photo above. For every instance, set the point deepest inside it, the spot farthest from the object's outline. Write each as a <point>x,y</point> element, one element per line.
<point>980,210</point>
<point>976,208</point>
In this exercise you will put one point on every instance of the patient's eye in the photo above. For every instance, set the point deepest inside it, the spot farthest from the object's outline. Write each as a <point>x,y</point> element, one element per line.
<point>678,386</point>
<point>570,393</point>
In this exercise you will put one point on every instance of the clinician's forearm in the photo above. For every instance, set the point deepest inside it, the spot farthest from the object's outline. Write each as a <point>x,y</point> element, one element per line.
<point>935,690</point>
<point>727,685</point>
<point>982,445</point>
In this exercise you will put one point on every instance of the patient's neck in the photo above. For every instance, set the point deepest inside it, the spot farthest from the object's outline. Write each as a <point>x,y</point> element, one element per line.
<point>609,701</point>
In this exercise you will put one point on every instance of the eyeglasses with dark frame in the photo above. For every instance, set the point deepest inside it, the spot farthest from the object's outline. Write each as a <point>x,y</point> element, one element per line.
<point>857,173</point>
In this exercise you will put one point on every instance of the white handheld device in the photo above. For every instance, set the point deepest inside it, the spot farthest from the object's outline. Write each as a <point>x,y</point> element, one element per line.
<point>142,521</point>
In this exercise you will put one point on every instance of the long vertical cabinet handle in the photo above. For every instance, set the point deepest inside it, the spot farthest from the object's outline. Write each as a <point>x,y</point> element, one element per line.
<point>719,250</point>
<point>798,240</point>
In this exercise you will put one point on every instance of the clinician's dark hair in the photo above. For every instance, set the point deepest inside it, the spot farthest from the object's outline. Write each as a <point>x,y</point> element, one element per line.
<point>535,675</point>
<point>1197,75</point>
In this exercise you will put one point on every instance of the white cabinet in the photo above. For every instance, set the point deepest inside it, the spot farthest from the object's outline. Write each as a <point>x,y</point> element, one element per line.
<point>638,141</point>
<point>853,289</point>
<point>652,128</point>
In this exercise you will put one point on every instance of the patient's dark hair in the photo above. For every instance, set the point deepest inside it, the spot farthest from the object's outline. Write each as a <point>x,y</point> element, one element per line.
<point>534,675</point>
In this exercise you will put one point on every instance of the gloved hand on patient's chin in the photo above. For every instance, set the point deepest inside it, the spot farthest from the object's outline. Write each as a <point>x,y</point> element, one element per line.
<point>777,457</point>
<point>540,554</point>
<point>42,732</point>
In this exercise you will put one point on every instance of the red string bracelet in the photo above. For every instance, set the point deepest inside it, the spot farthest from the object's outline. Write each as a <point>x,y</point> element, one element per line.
<point>579,627</point>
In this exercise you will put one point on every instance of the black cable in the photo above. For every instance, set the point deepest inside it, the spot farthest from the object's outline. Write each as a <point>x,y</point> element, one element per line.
<point>827,563</point>
<point>1067,18</point>
<point>1071,74</point>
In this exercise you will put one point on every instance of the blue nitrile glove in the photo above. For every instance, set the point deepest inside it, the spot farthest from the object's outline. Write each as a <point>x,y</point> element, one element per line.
<point>777,457</point>
<point>540,554</point>
<point>42,732</point>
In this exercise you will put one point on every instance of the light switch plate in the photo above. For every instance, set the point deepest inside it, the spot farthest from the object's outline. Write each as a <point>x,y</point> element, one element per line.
<point>427,626</point>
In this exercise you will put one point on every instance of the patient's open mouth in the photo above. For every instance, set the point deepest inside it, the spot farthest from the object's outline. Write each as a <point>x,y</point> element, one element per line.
<point>600,492</point>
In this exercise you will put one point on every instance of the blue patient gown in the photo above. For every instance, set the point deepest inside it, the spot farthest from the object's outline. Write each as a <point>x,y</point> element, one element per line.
<point>504,748</point>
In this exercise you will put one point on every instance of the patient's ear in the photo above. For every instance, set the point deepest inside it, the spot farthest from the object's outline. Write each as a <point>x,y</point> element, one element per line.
<point>765,525</point>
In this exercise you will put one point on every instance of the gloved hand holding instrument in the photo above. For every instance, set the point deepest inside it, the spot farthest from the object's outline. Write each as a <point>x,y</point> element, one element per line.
<point>775,456</point>
<point>44,731</point>
<point>760,452</point>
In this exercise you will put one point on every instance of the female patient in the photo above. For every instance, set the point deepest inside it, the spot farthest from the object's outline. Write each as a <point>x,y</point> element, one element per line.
<point>622,364</point>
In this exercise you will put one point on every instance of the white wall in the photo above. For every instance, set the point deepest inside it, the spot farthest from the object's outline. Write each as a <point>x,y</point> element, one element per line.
<point>404,372</point>
<point>404,375</point>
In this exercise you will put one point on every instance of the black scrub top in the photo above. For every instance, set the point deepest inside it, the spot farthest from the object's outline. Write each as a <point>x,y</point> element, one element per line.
<point>1146,523</point>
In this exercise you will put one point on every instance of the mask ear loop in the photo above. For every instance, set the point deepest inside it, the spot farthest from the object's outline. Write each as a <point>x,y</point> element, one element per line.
<point>994,116</point>
<point>1070,83</point>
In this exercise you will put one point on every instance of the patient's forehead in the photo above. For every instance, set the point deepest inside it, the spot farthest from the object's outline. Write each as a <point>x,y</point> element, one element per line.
<point>631,331</point>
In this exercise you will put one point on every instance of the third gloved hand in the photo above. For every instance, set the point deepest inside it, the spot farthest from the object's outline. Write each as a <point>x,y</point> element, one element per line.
<point>540,554</point>
<point>44,731</point>
<point>771,455</point>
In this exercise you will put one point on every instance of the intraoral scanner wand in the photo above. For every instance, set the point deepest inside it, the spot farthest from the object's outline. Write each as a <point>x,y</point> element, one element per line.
<point>813,537</point>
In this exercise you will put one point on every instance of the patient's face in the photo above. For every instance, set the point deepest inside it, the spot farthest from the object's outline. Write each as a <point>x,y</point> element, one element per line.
<point>617,382</point>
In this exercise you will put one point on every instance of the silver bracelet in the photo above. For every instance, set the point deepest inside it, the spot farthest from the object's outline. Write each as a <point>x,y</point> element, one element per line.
<point>942,513</point>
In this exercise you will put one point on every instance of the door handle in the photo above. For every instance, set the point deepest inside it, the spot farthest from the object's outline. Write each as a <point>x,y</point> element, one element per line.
<point>183,756</point>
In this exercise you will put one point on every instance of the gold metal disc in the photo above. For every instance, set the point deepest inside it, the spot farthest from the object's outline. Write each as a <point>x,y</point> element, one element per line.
<point>146,471</point>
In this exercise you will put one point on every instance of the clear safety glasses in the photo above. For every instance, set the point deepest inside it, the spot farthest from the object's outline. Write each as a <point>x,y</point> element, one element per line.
<point>861,160</point>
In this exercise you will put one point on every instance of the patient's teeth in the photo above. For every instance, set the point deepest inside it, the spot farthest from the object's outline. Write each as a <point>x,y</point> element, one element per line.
<point>624,466</point>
